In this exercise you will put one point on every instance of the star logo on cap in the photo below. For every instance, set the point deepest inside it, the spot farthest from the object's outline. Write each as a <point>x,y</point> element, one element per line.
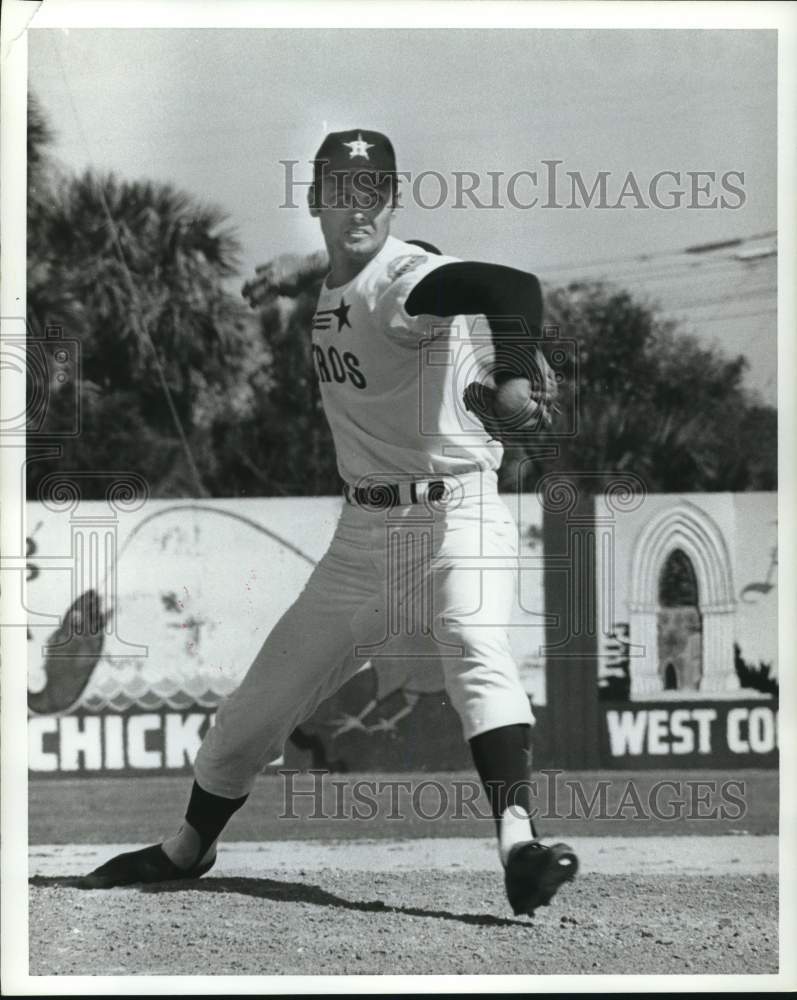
<point>359,147</point>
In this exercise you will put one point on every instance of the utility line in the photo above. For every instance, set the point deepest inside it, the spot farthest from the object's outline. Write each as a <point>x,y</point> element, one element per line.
<point>644,257</point>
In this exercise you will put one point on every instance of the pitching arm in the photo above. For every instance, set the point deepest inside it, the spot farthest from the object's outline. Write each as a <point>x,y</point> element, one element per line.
<point>511,302</point>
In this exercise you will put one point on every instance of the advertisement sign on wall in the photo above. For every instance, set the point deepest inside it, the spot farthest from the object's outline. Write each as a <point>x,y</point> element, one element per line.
<point>142,620</point>
<point>722,734</point>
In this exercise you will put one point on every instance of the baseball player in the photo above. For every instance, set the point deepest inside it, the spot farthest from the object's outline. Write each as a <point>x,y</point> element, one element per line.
<point>423,561</point>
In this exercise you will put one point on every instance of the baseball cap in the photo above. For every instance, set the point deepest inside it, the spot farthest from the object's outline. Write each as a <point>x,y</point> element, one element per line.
<point>365,157</point>
<point>355,149</point>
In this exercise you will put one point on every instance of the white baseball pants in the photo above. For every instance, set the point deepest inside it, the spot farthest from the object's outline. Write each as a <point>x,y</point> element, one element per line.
<point>420,580</point>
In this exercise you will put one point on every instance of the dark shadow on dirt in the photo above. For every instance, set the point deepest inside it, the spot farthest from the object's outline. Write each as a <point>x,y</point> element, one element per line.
<point>287,892</point>
<point>57,881</point>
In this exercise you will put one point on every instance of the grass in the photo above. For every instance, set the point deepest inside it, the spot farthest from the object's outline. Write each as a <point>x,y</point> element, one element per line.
<point>145,809</point>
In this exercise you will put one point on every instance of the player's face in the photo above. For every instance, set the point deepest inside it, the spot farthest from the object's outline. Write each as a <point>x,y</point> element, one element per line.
<point>355,215</point>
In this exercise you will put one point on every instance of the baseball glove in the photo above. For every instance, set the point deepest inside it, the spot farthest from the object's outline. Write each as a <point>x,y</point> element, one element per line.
<point>517,405</point>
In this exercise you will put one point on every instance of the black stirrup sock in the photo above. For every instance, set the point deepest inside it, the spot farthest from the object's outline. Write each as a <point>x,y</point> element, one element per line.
<point>208,814</point>
<point>503,759</point>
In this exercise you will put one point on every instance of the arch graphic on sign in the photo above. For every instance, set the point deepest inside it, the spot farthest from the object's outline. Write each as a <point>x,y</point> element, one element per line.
<point>688,528</point>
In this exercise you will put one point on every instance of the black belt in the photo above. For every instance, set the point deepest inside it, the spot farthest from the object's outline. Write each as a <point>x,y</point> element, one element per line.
<point>383,496</point>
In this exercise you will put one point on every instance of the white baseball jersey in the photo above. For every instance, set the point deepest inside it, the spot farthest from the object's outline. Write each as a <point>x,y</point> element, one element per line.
<point>391,383</point>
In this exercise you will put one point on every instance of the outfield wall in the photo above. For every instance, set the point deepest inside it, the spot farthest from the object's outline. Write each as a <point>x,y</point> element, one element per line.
<point>142,620</point>
<point>142,617</point>
<point>670,601</point>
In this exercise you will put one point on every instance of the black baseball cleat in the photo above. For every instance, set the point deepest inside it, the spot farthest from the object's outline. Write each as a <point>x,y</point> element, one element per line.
<point>150,864</point>
<point>534,872</point>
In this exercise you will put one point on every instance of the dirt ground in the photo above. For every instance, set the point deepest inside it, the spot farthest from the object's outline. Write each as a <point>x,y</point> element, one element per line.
<point>299,897</point>
<point>427,907</point>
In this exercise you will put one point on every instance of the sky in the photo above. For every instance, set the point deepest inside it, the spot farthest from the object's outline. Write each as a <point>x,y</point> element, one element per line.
<point>214,111</point>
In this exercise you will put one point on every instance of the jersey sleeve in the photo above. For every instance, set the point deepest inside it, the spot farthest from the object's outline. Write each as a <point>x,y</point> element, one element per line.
<point>401,276</point>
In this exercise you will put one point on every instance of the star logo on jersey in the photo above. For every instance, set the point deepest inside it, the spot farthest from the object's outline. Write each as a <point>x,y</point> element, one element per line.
<point>341,314</point>
<point>323,318</point>
<point>359,147</point>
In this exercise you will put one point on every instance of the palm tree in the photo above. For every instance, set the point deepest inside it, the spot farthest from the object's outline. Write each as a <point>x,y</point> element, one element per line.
<point>136,272</point>
<point>40,137</point>
<point>49,301</point>
<point>147,265</point>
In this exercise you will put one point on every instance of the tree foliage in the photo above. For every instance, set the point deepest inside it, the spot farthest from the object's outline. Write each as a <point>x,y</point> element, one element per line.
<point>283,446</point>
<point>649,399</point>
<point>758,678</point>
<point>139,273</point>
<point>134,272</point>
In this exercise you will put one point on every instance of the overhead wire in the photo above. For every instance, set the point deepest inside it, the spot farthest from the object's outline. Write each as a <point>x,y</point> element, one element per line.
<point>644,257</point>
<point>685,274</point>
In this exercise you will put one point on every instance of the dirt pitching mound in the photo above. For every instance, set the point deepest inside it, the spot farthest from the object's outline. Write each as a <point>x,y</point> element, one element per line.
<point>265,909</point>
